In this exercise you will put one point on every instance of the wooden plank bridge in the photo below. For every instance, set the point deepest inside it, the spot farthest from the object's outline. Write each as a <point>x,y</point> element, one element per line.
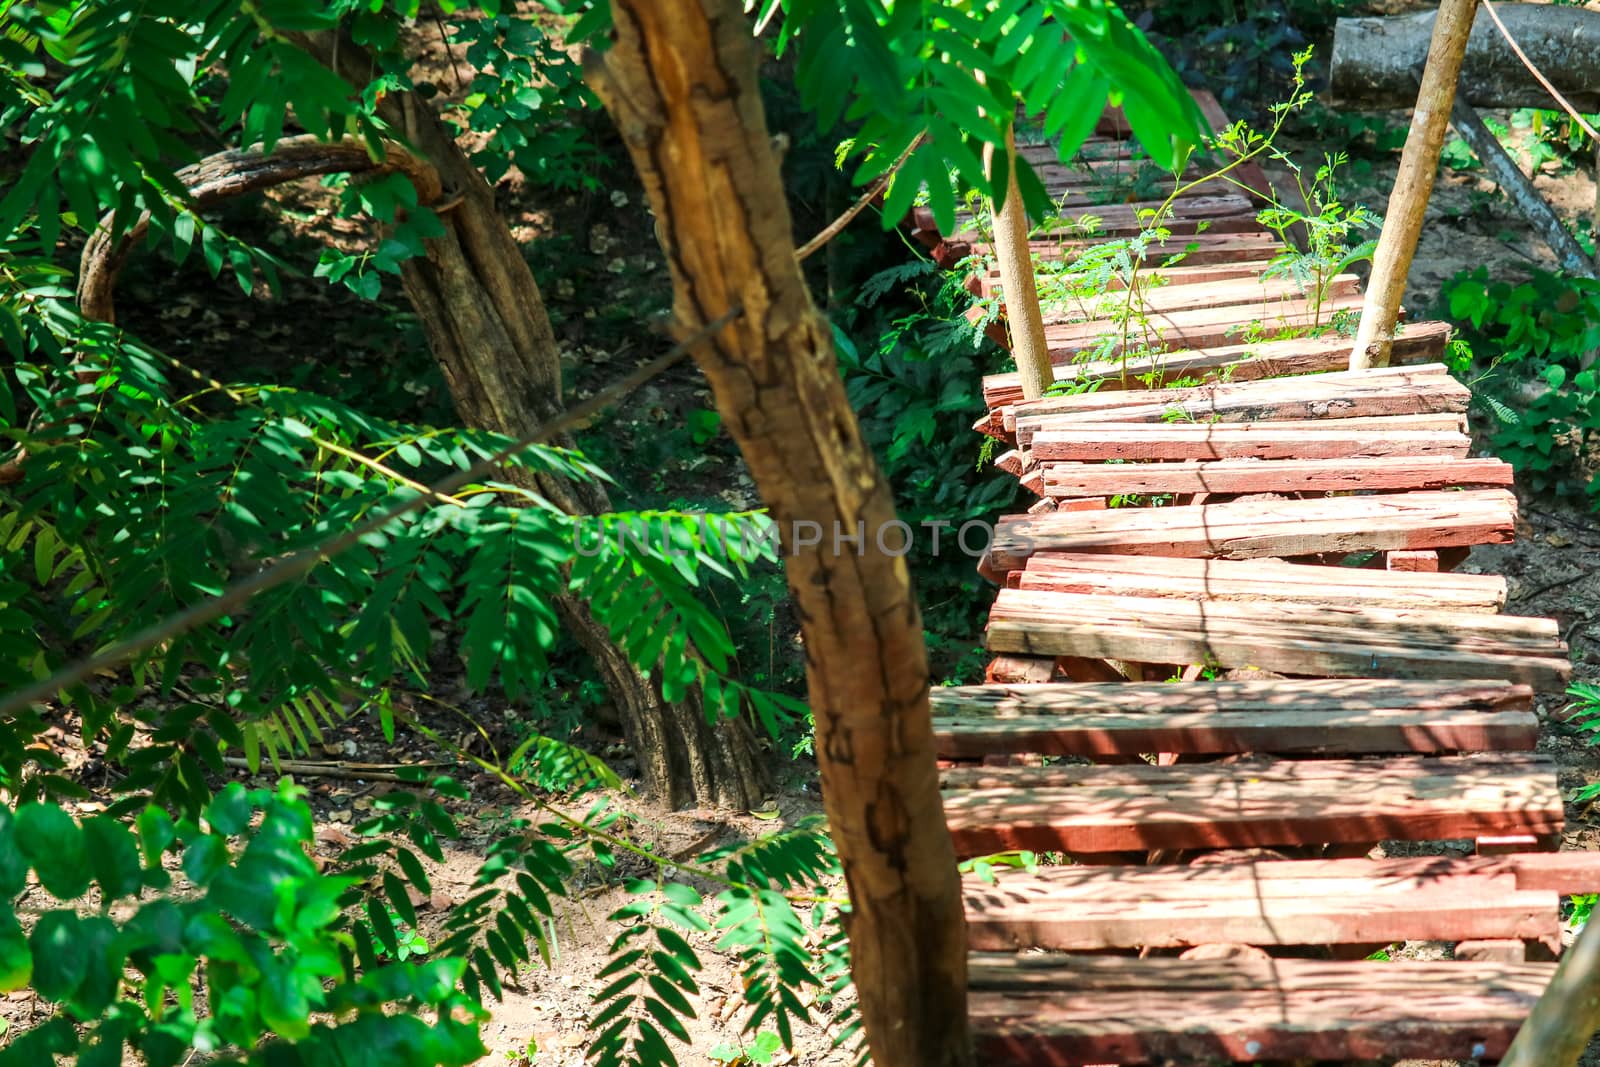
<point>1216,709</point>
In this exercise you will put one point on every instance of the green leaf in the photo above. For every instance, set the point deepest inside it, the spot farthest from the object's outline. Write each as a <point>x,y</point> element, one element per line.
<point>60,954</point>
<point>50,839</point>
<point>114,857</point>
<point>16,961</point>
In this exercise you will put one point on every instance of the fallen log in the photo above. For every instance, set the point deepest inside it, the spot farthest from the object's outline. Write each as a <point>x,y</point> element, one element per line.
<point>1376,60</point>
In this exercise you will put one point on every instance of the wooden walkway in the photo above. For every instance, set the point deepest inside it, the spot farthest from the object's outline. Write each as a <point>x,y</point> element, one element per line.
<point>1230,659</point>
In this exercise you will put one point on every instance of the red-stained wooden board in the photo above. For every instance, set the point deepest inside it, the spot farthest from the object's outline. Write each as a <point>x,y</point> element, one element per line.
<point>1251,292</point>
<point>987,285</point>
<point>1197,328</point>
<point>1062,1010</point>
<point>1286,637</point>
<point>1094,809</point>
<point>1247,529</point>
<point>1259,579</point>
<point>1251,440</point>
<point>1072,480</point>
<point>1293,716</point>
<point>1417,343</point>
<point>1403,390</point>
<point>1305,902</point>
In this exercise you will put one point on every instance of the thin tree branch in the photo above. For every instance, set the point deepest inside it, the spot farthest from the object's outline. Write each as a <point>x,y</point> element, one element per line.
<point>834,228</point>
<point>303,562</point>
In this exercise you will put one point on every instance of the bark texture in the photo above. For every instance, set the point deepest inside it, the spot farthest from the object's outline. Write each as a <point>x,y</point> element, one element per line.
<point>1376,60</point>
<point>1024,317</point>
<point>1567,1015</point>
<point>486,325</point>
<point>1413,185</point>
<point>680,81</point>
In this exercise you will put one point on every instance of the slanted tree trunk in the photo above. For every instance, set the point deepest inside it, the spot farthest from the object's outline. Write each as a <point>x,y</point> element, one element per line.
<point>1413,185</point>
<point>680,81</point>
<point>486,324</point>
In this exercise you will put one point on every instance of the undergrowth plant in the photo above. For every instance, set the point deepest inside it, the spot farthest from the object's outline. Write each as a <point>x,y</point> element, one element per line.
<point>1113,280</point>
<point>1536,342</point>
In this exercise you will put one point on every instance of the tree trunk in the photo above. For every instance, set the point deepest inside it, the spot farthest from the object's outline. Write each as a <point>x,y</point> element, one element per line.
<point>1375,60</point>
<point>1024,317</point>
<point>486,324</point>
<point>1413,185</point>
<point>680,81</point>
<point>1567,1014</point>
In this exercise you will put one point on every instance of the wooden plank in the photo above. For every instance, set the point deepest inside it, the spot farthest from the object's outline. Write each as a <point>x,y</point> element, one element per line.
<point>1100,222</point>
<point>1254,292</point>
<point>1273,476</point>
<point>1341,642</point>
<point>1036,1010</point>
<point>1231,695</point>
<point>1402,390</point>
<point>1231,243</point>
<point>1259,440</point>
<point>1247,529</point>
<point>1195,328</point>
<point>1260,579</point>
<point>1096,809</point>
<point>1184,274</point>
<point>1338,732</point>
<point>1417,343</point>
<point>1320,902</point>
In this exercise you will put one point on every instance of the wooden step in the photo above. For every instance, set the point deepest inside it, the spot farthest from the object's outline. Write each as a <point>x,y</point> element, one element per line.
<point>988,284</point>
<point>1253,292</point>
<point>1332,439</point>
<point>1094,809</point>
<point>1404,390</point>
<point>1384,473</point>
<point>1247,529</point>
<point>1259,579</point>
<point>1031,1010</point>
<point>1195,328</point>
<point>1237,362</point>
<point>1327,641</point>
<point>1100,222</point>
<point>1284,902</point>
<point>1323,716</point>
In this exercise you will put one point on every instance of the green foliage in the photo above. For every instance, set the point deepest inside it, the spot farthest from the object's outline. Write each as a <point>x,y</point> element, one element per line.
<point>1329,227</point>
<point>953,71</point>
<point>1538,338</point>
<point>913,368</point>
<point>241,910</point>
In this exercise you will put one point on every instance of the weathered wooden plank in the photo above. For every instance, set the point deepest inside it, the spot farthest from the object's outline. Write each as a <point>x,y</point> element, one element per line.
<point>1247,529</point>
<point>1260,579</point>
<point>988,284</point>
<point>1099,222</point>
<point>1064,1010</point>
<point>1067,479</point>
<point>1254,292</point>
<point>1252,440</point>
<point>1400,390</point>
<point>1337,732</point>
<point>1231,695</point>
<point>1319,902</point>
<point>1095,809</point>
<point>1196,328</point>
<point>1432,626</point>
<point>1334,641</point>
<point>1417,343</point>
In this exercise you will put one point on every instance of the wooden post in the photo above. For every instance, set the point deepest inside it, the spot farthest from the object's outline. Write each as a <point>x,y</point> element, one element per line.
<point>1419,162</point>
<point>1568,1014</point>
<point>1023,315</point>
